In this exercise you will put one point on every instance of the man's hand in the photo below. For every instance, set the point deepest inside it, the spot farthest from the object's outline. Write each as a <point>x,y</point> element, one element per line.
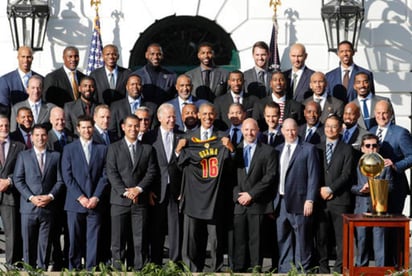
<point>92,202</point>
<point>180,145</point>
<point>84,201</point>
<point>41,201</point>
<point>365,189</point>
<point>4,184</point>
<point>244,198</point>
<point>227,144</point>
<point>325,193</point>
<point>132,194</point>
<point>389,163</point>
<point>308,208</point>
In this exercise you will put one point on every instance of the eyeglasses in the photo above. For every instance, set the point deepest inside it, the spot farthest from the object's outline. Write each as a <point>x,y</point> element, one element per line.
<point>143,119</point>
<point>371,145</point>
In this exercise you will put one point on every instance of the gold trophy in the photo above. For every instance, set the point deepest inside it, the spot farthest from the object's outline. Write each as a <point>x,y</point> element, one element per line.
<point>372,165</point>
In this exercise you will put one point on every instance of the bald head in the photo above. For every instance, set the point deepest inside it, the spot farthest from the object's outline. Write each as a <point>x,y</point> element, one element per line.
<point>290,130</point>
<point>250,130</point>
<point>297,55</point>
<point>351,114</point>
<point>383,113</point>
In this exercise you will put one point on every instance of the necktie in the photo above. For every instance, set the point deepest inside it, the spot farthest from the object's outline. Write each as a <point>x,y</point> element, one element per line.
<point>87,109</point>
<point>29,145</point>
<point>345,80</point>
<point>271,138</point>
<point>2,153</point>
<point>261,77</point>
<point>308,135</point>
<point>346,136</point>
<point>282,111</point>
<point>62,140</point>
<point>316,99</point>
<point>234,136</point>
<point>206,77</point>
<point>237,99</point>
<point>379,134</point>
<point>132,149</point>
<point>35,109</point>
<point>285,165</point>
<point>365,113</point>
<point>105,137</point>
<point>41,161</point>
<point>86,148</point>
<point>329,147</point>
<point>295,82</point>
<point>74,85</point>
<point>247,157</point>
<point>205,135</point>
<point>168,145</point>
<point>26,80</point>
<point>111,81</point>
<point>135,105</point>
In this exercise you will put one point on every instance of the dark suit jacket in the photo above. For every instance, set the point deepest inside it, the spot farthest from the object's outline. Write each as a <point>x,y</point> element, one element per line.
<point>372,120</point>
<point>223,102</point>
<point>254,87</point>
<point>161,91</point>
<point>29,180</point>
<point>81,178</point>
<point>12,89</point>
<point>259,182</point>
<point>339,174</point>
<point>316,137</point>
<point>103,94</point>
<point>278,138</point>
<point>120,110</point>
<point>97,137</point>
<point>53,142</point>
<point>336,89</point>
<point>175,103</point>
<point>122,174</point>
<point>302,177</point>
<point>170,174</point>
<point>332,105</point>
<point>44,113</point>
<point>57,87</point>
<point>74,109</point>
<point>397,146</point>
<point>17,136</point>
<point>293,109</point>
<point>217,87</point>
<point>10,196</point>
<point>302,89</point>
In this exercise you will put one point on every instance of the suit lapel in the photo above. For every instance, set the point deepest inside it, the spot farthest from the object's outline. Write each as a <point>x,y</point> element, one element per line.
<point>42,112</point>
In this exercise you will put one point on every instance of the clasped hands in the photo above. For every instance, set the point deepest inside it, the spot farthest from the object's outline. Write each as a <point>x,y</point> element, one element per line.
<point>132,194</point>
<point>88,203</point>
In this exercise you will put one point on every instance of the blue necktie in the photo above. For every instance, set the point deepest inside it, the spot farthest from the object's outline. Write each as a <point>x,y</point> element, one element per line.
<point>346,136</point>
<point>329,147</point>
<point>246,157</point>
<point>365,113</point>
<point>308,135</point>
<point>135,105</point>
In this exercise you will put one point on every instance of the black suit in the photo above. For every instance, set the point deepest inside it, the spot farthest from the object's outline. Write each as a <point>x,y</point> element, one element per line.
<point>57,87</point>
<point>74,109</point>
<point>293,109</point>
<point>165,213</point>
<point>9,206</point>
<point>277,139</point>
<point>103,93</point>
<point>222,104</point>
<point>302,90</point>
<point>120,110</point>
<point>128,216</point>
<point>18,136</point>
<point>53,142</point>
<point>259,183</point>
<point>338,175</point>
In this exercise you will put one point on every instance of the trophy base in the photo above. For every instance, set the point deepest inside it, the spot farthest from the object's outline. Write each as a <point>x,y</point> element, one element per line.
<point>377,215</point>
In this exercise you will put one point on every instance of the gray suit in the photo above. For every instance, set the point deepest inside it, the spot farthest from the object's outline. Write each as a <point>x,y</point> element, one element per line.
<point>254,87</point>
<point>332,105</point>
<point>217,87</point>
<point>44,113</point>
<point>372,120</point>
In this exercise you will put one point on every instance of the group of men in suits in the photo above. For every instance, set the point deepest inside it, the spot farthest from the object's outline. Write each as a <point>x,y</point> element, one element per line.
<point>286,145</point>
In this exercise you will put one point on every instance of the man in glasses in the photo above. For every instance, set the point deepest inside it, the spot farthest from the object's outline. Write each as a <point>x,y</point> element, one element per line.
<point>364,236</point>
<point>145,120</point>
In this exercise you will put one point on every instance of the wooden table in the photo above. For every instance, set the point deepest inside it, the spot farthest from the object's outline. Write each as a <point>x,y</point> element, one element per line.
<point>350,221</point>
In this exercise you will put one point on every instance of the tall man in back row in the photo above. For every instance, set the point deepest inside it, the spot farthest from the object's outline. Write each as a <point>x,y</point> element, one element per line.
<point>202,156</point>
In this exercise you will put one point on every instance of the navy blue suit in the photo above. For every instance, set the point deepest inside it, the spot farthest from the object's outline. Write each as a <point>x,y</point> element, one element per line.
<point>397,146</point>
<point>302,90</point>
<point>363,204</point>
<point>88,180</point>
<point>37,222</point>
<point>12,89</point>
<point>337,90</point>
<point>301,184</point>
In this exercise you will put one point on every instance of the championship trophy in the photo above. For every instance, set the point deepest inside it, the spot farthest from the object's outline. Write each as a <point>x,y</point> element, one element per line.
<point>371,165</point>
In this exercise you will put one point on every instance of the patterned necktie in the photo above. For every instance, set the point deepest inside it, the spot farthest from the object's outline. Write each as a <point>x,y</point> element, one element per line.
<point>379,134</point>
<point>247,157</point>
<point>329,147</point>
<point>237,99</point>
<point>134,105</point>
<point>295,82</point>
<point>282,111</point>
<point>261,77</point>
<point>346,136</point>
<point>345,80</point>
<point>105,137</point>
<point>205,135</point>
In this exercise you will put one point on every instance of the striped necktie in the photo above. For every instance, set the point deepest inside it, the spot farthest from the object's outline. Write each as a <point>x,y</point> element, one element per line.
<point>329,151</point>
